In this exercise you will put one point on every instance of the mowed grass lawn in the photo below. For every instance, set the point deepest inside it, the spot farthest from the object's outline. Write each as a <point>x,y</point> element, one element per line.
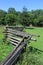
<point>5,49</point>
<point>39,43</point>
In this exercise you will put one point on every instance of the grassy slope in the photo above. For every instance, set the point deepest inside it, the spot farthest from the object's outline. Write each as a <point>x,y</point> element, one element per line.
<point>39,43</point>
<point>4,48</point>
<point>33,57</point>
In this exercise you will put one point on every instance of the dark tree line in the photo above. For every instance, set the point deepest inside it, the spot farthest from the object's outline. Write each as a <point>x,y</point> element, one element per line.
<point>13,17</point>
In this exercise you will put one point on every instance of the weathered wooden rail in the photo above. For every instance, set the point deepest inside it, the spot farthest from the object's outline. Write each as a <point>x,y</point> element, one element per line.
<point>19,39</point>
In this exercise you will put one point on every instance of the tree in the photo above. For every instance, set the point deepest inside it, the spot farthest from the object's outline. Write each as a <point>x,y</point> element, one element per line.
<point>35,22</point>
<point>2,17</point>
<point>11,11</point>
<point>10,19</point>
<point>40,20</point>
<point>18,14</point>
<point>24,17</point>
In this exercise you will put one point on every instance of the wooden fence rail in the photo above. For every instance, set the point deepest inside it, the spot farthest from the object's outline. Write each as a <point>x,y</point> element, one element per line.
<point>19,39</point>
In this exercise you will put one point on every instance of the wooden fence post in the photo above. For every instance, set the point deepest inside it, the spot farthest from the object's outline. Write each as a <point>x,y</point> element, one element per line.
<point>5,34</point>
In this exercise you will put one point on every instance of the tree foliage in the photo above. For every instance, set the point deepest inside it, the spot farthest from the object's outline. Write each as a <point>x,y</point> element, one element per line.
<point>11,10</point>
<point>2,16</point>
<point>10,19</point>
<point>25,17</point>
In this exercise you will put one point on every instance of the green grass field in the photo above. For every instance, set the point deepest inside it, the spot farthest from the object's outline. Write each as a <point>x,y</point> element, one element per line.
<point>28,57</point>
<point>39,43</point>
<point>33,57</point>
<point>5,49</point>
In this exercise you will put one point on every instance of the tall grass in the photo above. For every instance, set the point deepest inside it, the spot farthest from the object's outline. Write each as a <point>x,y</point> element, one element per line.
<point>5,49</point>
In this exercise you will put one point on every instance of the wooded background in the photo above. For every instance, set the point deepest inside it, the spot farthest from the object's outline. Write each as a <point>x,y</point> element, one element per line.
<point>24,17</point>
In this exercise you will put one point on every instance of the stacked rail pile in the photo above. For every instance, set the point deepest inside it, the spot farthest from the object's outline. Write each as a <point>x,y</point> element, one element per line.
<point>19,39</point>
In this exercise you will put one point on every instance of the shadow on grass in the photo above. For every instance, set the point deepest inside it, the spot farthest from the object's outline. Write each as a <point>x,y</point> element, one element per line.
<point>29,28</point>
